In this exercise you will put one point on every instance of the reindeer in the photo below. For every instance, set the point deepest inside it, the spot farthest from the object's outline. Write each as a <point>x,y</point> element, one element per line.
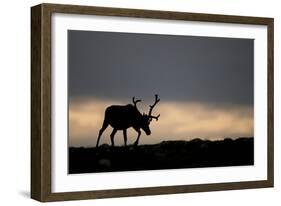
<point>122,117</point>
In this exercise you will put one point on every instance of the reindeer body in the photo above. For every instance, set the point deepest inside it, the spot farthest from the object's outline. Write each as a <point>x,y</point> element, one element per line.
<point>122,117</point>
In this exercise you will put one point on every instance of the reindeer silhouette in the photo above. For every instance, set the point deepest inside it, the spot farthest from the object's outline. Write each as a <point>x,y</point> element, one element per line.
<point>122,117</point>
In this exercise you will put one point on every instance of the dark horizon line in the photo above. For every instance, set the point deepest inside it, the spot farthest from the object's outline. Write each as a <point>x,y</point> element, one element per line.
<point>169,141</point>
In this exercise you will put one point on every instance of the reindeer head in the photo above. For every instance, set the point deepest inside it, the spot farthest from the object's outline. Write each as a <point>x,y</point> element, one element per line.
<point>147,118</point>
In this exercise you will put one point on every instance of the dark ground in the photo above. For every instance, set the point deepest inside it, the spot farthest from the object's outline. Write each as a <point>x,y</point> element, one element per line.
<point>165,155</point>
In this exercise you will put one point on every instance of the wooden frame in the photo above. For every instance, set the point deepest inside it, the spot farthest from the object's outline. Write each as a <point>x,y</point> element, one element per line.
<point>41,102</point>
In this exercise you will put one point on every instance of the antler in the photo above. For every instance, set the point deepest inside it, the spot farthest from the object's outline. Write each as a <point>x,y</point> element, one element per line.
<point>151,108</point>
<point>155,117</point>
<point>136,101</point>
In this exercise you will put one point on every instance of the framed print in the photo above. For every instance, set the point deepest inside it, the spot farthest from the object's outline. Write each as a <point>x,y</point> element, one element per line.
<point>128,102</point>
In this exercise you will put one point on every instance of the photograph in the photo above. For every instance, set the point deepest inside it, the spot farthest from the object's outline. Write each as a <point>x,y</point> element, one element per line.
<point>141,101</point>
<point>133,102</point>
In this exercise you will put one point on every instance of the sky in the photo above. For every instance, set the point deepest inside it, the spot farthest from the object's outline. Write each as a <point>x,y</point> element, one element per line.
<point>205,84</point>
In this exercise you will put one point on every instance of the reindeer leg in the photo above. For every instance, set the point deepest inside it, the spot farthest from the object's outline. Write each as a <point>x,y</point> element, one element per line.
<point>100,133</point>
<point>125,136</point>
<point>104,126</point>
<point>112,136</point>
<point>137,141</point>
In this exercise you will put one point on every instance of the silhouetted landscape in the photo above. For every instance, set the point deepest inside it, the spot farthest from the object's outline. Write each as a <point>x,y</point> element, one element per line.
<point>195,153</point>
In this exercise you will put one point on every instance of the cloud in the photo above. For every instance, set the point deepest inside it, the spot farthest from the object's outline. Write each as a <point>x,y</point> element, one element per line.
<point>113,65</point>
<point>178,121</point>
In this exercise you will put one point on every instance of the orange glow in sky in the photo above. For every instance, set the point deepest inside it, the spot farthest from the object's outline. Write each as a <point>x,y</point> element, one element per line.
<point>178,121</point>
